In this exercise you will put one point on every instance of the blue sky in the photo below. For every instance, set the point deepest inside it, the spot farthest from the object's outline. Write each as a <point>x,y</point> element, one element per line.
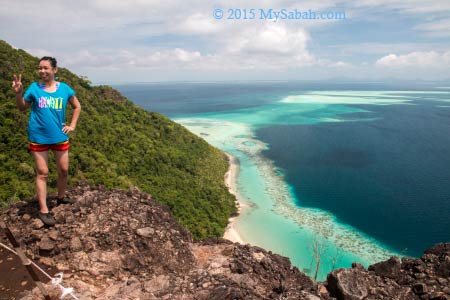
<point>145,40</point>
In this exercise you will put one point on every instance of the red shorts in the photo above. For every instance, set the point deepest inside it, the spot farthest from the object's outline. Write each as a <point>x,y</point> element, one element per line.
<point>63,146</point>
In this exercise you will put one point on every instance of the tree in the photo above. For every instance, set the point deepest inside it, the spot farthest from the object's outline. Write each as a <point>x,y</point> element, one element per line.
<point>318,248</point>
<point>335,258</point>
<point>117,144</point>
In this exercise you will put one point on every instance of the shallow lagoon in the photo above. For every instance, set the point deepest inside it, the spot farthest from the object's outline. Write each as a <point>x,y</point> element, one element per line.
<point>278,216</point>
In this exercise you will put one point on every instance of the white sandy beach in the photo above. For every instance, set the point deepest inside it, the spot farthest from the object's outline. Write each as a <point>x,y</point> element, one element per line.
<point>263,197</point>
<point>231,232</point>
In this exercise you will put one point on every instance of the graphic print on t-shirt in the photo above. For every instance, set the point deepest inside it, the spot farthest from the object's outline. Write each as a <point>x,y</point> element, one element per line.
<point>48,114</point>
<point>50,102</point>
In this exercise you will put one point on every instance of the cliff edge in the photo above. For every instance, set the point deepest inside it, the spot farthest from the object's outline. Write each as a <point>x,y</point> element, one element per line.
<point>124,245</point>
<point>115,244</point>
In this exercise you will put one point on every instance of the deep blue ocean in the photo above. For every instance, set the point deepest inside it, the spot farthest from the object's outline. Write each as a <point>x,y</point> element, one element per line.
<point>383,169</point>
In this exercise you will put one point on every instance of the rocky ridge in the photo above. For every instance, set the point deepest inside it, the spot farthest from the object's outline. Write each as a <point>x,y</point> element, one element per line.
<point>124,245</point>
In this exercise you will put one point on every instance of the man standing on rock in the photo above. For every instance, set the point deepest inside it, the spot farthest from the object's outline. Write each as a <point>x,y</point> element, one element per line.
<point>47,129</point>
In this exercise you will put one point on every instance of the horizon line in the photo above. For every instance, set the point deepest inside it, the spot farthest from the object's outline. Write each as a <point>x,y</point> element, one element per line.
<point>386,80</point>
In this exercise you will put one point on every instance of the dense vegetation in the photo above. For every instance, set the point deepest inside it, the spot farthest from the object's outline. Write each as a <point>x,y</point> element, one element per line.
<point>118,145</point>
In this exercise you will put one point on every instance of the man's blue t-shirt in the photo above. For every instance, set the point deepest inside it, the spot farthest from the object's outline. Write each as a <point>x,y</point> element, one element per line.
<point>48,113</point>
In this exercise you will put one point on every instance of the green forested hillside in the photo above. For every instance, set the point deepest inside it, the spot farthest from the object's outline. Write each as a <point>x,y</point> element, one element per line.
<point>117,144</point>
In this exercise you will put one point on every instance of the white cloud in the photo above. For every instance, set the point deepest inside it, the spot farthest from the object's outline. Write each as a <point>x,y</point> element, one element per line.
<point>198,23</point>
<point>340,64</point>
<point>125,59</point>
<point>383,48</point>
<point>440,28</point>
<point>416,59</point>
<point>271,39</point>
<point>410,6</point>
<point>270,46</point>
<point>186,56</point>
<point>431,16</point>
<point>183,35</point>
<point>39,52</point>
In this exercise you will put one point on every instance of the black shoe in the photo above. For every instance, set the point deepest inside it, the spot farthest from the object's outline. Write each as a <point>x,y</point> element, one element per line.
<point>65,200</point>
<point>47,219</point>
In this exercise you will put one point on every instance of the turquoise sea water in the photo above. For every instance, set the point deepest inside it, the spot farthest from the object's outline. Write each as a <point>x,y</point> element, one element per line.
<point>350,168</point>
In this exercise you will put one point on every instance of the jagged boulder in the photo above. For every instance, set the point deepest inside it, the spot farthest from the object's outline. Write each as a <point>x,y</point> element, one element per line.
<point>357,284</point>
<point>424,278</point>
<point>124,245</point>
<point>390,268</point>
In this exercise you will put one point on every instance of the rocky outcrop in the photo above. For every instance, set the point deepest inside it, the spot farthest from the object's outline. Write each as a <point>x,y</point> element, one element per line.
<point>424,278</point>
<point>124,245</point>
<point>359,284</point>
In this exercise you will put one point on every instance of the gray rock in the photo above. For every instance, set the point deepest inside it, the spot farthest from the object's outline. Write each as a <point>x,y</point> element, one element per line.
<point>438,296</point>
<point>75,244</point>
<point>124,245</point>
<point>157,284</point>
<point>359,266</point>
<point>37,224</point>
<point>355,284</point>
<point>145,232</point>
<point>53,234</point>
<point>420,288</point>
<point>390,268</point>
<point>352,284</point>
<point>46,244</point>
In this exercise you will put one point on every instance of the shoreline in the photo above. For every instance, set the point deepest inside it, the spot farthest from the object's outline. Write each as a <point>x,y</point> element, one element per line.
<point>230,177</point>
<point>293,227</point>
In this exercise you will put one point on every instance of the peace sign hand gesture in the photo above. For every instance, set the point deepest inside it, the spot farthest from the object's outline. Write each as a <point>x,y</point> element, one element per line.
<point>17,84</point>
